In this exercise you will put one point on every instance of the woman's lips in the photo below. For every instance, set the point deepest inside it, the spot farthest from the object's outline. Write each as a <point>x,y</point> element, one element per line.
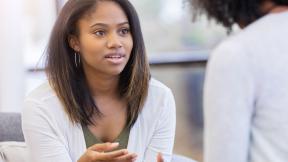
<point>114,55</point>
<point>115,58</point>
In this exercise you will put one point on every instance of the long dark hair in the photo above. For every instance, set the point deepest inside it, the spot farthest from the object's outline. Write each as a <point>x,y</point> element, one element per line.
<point>228,12</point>
<point>68,80</point>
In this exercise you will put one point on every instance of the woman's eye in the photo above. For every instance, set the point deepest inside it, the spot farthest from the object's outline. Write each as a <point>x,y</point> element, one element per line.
<point>124,31</point>
<point>99,33</point>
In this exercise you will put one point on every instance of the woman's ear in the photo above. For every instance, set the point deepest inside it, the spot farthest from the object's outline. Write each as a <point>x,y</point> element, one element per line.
<point>74,43</point>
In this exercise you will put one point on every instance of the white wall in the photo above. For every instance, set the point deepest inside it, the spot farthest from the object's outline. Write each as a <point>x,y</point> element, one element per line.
<point>11,56</point>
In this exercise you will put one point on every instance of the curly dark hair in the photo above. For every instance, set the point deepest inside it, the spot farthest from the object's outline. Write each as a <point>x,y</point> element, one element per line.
<point>228,12</point>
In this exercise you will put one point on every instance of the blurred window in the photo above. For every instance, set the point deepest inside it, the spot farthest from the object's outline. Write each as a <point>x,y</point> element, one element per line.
<point>166,24</point>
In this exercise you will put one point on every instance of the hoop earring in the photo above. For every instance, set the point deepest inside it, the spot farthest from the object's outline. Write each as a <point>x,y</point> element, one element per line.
<point>77,59</point>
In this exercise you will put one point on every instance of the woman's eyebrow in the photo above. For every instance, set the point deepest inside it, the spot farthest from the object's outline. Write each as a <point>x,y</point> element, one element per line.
<point>106,25</point>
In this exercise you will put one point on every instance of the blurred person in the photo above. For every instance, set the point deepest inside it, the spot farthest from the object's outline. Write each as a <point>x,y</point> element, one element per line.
<point>99,103</point>
<point>246,84</point>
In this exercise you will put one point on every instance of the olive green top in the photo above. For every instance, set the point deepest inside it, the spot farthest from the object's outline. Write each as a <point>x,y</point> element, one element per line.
<point>90,139</point>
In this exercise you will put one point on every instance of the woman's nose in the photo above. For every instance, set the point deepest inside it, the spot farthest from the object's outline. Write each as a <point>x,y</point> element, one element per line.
<point>114,41</point>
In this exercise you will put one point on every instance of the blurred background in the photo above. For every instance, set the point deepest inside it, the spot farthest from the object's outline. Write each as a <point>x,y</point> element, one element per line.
<point>177,47</point>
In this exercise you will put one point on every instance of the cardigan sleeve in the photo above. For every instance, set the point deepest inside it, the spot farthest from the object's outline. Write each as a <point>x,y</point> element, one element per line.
<point>43,143</point>
<point>228,105</point>
<point>163,137</point>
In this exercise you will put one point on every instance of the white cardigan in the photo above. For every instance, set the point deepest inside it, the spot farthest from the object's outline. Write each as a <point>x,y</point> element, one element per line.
<point>246,95</point>
<point>51,137</point>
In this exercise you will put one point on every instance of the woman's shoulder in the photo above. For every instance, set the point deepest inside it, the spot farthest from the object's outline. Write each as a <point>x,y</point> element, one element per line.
<point>158,94</point>
<point>157,86</point>
<point>42,102</point>
<point>159,102</point>
<point>43,99</point>
<point>42,92</point>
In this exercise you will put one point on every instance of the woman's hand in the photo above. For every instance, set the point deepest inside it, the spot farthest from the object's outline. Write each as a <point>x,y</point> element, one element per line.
<point>160,158</point>
<point>97,153</point>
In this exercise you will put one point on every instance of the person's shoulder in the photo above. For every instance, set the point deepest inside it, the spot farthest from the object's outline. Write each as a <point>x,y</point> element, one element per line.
<point>249,42</point>
<point>269,22</point>
<point>158,86</point>
<point>230,47</point>
<point>42,106</point>
<point>41,93</point>
<point>160,99</point>
<point>43,100</point>
<point>229,54</point>
<point>159,92</point>
<point>261,30</point>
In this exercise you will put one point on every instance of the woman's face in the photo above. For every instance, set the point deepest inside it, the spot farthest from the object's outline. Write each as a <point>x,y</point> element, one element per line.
<point>104,41</point>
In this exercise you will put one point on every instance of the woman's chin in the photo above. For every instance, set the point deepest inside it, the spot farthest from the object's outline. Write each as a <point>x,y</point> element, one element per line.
<point>115,72</point>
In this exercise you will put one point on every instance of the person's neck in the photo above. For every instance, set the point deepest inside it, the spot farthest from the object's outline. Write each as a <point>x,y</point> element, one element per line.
<point>279,9</point>
<point>267,7</point>
<point>270,7</point>
<point>102,85</point>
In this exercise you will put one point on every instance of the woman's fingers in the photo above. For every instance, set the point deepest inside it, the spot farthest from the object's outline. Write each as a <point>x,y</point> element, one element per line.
<point>104,147</point>
<point>126,158</point>
<point>111,155</point>
<point>160,158</point>
<point>98,152</point>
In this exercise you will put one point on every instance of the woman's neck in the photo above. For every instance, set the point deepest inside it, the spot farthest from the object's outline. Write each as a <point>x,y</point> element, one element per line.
<point>101,85</point>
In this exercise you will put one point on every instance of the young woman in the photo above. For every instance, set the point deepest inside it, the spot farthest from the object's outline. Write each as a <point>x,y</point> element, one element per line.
<point>245,96</point>
<point>100,103</point>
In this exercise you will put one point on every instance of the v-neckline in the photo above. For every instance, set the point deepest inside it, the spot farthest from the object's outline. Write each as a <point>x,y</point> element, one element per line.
<point>100,141</point>
<point>121,138</point>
